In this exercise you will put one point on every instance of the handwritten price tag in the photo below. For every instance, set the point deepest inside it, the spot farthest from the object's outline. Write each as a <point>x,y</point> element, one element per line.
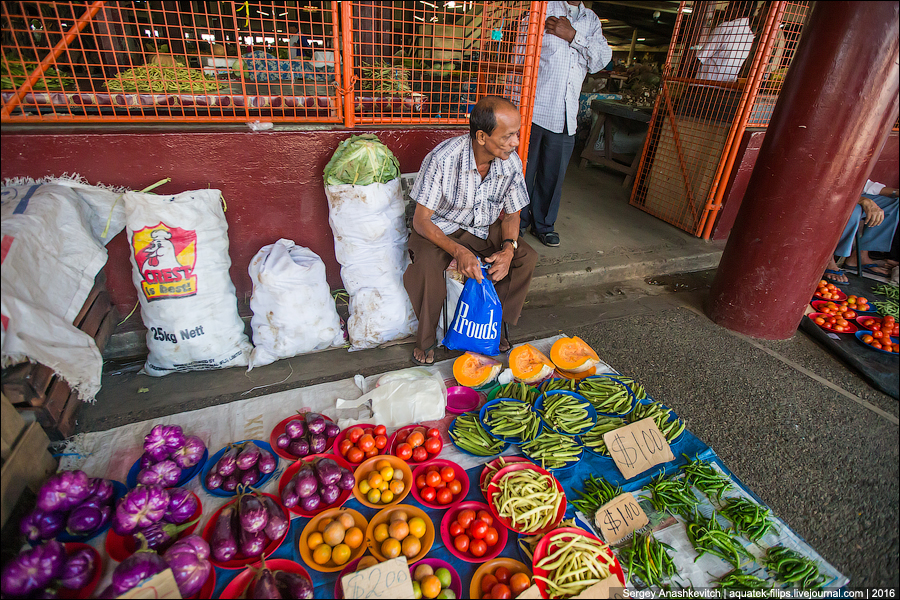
<point>638,447</point>
<point>610,587</point>
<point>619,517</point>
<point>389,579</point>
<point>161,585</point>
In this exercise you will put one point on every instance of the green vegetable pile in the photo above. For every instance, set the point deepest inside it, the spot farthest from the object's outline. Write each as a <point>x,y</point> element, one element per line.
<point>468,434</point>
<point>566,414</point>
<point>648,559</point>
<point>13,73</point>
<point>636,388</point>
<point>518,391</point>
<point>890,306</point>
<point>361,160</point>
<point>597,492</point>
<point>607,396</point>
<point>738,581</point>
<point>593,439</point>
<point>157,78</point>
<point>788,566</point>
<point>512,421</point>
<point>662,415</point>
<point>709,537</point>
<point>750,519</point>
<point>673,495</point>
<point>550,385</point>
<point>553,451</point>
<point>705,478</point>
<point>385,78</point>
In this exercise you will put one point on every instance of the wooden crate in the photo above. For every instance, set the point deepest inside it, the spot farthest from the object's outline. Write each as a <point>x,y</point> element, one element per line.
<point>26,459</point>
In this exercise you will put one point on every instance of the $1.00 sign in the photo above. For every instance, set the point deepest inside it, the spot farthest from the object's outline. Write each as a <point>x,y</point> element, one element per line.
<point>637,447</point>
<point>619,517</point>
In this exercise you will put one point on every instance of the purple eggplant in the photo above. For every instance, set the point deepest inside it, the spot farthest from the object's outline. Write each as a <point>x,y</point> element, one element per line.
<point>87,518</point>
<point>146,461</point>
<point>276,523</point>
<point>248,456</point>
<point>164,473</point>
<point>133,570</point>
<point>315,423</point>
<point>161,535</point>
<point>267,462</point>
<point>213,480</point>
<point>230,483</point>
<point>226,464</point>
<point>190,571</point>
<point>294,585</point>
<point>347,480</point>
<point>222,542</point>
<point>282,441</point>
<point>139,508</point>
<point>331,430</point>
<point>79,569</point>
<point>327,471</point>
<point>39,525</point>
<point>182,506</point>
<point>305,480</point>
<point>252,544</point>
<point>192,543</point>
<point>330,494</point>
<point>295,428</point>
<point>299,447</point>
<point>289,496</point>
<point>250,477</point>
<point>190,454</point>
<point>163,440</point>
<point>252,515</point>
<point>64,491</point>
<point>264,585</point>
<point>103,490</point>
<point>317,443</point>
<point>311,502</point>
<point>33,569</point>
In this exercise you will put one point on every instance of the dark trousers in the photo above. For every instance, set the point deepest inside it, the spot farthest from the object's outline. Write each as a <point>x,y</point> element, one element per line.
<point>424,278</point>
<point>548,157</point>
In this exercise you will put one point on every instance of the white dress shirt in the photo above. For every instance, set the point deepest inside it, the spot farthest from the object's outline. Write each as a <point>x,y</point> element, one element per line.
<point>723,53</point>
<point>564,65</point>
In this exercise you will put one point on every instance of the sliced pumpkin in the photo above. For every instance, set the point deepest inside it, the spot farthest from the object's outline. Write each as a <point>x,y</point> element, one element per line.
<point>579,375</point>
<point>573,355</point>
<point>528,364</point>
<point>475,370</point>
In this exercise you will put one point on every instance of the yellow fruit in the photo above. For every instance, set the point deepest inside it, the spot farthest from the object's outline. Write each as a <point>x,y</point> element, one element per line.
<point>374,496</point>
<point>364,487</point>
<point>387,473</point>
<point>398,530</point>
<point>314,540</point>
<point>381,532</point>
<point>387,496</point>
<point>417,590</point>
<point>422,571</point>
<point>390,548</point>
<point>353,537</point>
<point>397,487</point>
<point>383,464</point>
<point>340,554</point>
<point>323,524</point>
<point>322,554</point>
<point>417,527</point>
<point>333,534</point>
<point>398,475</point>
<point>399,515</point>
<point>346,519</point>
<point>411,546</point>
<point>383,486</point>
<point>431,586</point>
<point>375,479</point>
<point>365,562</point>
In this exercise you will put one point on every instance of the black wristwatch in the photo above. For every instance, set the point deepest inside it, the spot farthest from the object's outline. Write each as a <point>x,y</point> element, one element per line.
<point>514,243</point>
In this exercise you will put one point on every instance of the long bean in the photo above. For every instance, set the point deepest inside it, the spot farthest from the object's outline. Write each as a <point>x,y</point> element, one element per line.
<point>530,500</point>
<point>574,563</point>
<point>152,78</point>
<point>647,558</point>
<point>703,476</point>
<point>750,519</point>
<point>791,567</point>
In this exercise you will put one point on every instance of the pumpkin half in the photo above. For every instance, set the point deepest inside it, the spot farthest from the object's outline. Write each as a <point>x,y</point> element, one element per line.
<point>528,364</point>
<point>474,370</point>
<point>573,355</point>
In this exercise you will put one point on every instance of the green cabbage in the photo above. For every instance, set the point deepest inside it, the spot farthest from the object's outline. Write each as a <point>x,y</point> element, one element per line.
<point>361,160</point>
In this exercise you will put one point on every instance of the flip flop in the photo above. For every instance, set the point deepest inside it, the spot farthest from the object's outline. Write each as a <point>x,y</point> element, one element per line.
<point>838,273</point>
<point>424,363</point>
<point>870,268</point>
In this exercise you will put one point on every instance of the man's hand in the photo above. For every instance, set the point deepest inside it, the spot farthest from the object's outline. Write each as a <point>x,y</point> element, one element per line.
<point>560,27</point>
<point>467,263</point>
<point>874,214</point>
<point>500,262</point>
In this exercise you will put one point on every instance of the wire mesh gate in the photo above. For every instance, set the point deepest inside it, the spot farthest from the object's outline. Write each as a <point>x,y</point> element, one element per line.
<point>722,74</point>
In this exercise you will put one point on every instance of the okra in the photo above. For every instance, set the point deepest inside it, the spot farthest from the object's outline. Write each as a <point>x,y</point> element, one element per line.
<point>553,451</point>
<point>468,434</point>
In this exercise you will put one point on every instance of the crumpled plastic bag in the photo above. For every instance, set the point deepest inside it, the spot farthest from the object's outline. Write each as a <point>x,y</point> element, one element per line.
<point>400,398</point>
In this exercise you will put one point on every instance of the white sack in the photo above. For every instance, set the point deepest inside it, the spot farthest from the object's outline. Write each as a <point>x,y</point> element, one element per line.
<point>370,239</point>
<point>53,248</point>
<point>180,262</point>
<point>293,311</point>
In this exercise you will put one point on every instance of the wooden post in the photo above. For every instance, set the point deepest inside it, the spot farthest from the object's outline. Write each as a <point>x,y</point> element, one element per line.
<point>631,50</point>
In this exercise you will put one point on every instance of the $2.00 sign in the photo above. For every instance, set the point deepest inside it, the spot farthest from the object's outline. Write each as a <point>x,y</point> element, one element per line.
<point>637,447</point>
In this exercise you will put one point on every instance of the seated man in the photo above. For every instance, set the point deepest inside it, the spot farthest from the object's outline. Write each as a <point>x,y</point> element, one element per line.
<point>878,205</point>
<point>469,192</point>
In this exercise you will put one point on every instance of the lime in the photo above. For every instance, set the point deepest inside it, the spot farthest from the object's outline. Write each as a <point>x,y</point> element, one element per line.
<point>443,574</point>
<point>417,590</point>
<point>446,594</point>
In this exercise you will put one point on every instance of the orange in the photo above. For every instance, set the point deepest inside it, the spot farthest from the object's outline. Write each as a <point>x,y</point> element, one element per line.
<point>375,479</point>
<point>387,496</point>
<point>381,464</point>
<point>399,515</point>
<point>314,540</point>
<point>387,473</point>
<point>374,496</point>
<point>381,532</point>
<point>364,487</point>
<point>431,586</point>
<point>322,554</point>
<point>397,487</point>
<point>417,527</point>
<point>340,554</point>
<point>391,548</point>
<point>398,530</point>
<point>384,485</point>
<point>411,546</point>
<point>346,519</point>
<point>353,537</point>
<point>323,524</point>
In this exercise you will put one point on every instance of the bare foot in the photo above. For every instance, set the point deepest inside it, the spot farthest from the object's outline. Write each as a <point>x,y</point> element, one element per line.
<point>423,358</point>
<point>835,275</point>
<point>504,345</point>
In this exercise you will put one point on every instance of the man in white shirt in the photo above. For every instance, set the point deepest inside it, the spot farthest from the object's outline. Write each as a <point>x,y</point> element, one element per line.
<point>723,53</point>
<point>573,45</point>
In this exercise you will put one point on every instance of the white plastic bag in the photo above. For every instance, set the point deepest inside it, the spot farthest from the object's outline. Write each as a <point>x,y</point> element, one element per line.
<point>401,397</point>
<point>370,238</point>
<point>180,262</point>
<point>293,311</point>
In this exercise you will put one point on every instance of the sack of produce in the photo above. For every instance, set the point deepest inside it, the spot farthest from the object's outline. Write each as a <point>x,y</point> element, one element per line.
<point>180,262</point>
<point>293,311</point>
<point>365,211</point>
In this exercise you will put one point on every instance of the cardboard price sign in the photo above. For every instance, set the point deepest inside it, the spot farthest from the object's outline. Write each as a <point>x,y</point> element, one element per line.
<point>619,517</point>
<point>161,585</point>
<point>531,593</point>
<point>638,447</point>
<point>389,579</point>
<point>610,587</point>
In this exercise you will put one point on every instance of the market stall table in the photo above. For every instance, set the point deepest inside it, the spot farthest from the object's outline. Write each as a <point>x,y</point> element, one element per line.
<point>619,117</point>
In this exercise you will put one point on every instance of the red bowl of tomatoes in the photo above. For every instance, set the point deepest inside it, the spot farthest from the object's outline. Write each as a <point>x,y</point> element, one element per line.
<point>416,444</point>
<point>471,533</point>
<point>834,309</point>
<point>358,443</point>
<point>829,291</point>
<point>441,484</point>
<point>887,324</point>
<point>832,323</point>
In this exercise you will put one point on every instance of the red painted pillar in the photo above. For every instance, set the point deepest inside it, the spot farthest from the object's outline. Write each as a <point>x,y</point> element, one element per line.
<point>837,105</point>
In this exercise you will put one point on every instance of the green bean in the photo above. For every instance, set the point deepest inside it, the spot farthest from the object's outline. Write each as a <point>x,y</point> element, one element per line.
<point>549,385</point>
<point>518,391</point>
<point>739,581</point>
<point>661,415</point>
<point>530,500</point>
<point>705,478</point>
<point>749,518</point>
<point>593,439</point>
<point>512,420</point>
<point>648,559</point>
<point>597,492</point>
<point>791,567</point>
<point>469,434</point>
<point>672,495</point>
<point>707,536</point>
<point>636,388</point>
<point>553,451</point>
<point>607,396</point>
<point>573,564</point>
<point>891,291</point>
<point>153,78</point>
<point>566,414</point>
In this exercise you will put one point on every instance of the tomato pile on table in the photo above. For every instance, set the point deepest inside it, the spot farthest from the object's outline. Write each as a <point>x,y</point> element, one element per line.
<point>363,442</point>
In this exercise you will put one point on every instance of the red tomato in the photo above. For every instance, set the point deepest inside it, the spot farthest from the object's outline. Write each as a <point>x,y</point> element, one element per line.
<point>848,314</point>
<point>461,543</point>
<point>434,432</point>
<point>402,435</point>
<point>501,592</point>
<point>490,538</point>
<point>867,339</point>
<point>355,455</point>
<point>488,582</point>
<point>380,430</point>
<point>448,474</point>
<point>444,496</point>
<point>478,529</point>
<point>404,451</point>
<point>455,487</point>
<point>820,321</point>
<point>442,484</point>
<point>380,441</point>
<point>371,452</point>
<point>419,454</point>
<point>345,446</point>
<point>478,549</point>
<point>433,479</point>
<point>420,482</point>
<point>354,434</point>
<point>465,517</point>
<point>456,529</point>
<point>433,445</point>
<point>486,517</point>
<point>366,442</point>
<point>428,494</point>
<point>502,574</point>
<point>431,468</point>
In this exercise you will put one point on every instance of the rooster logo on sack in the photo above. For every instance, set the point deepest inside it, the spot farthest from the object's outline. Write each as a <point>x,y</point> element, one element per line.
<point>166,257</point>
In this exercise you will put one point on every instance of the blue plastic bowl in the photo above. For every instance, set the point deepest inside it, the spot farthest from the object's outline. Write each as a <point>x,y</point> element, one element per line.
<point>592,414</point>
<point>215,458</point>
<point>502,450</point>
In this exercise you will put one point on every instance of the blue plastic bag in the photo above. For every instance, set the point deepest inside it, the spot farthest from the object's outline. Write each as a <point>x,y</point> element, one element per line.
<point>476,324</point>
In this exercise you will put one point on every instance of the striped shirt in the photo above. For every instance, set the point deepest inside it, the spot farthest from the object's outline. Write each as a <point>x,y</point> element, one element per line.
<point>449,184</point>
<point>563,67</point>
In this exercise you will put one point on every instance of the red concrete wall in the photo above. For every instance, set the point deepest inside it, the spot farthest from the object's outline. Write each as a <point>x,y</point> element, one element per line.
<point>886,171</point>
<point>272,181</point>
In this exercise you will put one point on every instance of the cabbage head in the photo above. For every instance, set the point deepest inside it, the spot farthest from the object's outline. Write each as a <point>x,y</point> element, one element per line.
<point>361,160</point>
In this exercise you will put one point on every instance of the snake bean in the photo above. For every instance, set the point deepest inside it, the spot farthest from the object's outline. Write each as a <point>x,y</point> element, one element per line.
<point>530,500</point>
<point>636,388</point>
<point>790,567</point>
<point>153,78</point>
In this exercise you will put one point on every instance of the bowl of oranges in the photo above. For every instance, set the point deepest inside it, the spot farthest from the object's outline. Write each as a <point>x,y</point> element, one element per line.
<point>360,442</point>
<point>512,576</point>
<point>332,539</point>
<point>382,481</point>
<point>400,530</point>
<point>435,578</point>
<point>440,484</point>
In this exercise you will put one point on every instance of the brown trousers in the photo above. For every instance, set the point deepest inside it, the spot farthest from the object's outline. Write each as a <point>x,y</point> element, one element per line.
<point>424,278</point>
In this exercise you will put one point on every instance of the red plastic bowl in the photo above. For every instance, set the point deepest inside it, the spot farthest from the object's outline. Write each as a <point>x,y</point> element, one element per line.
<point>120,547</point>
<point>812,317</point>
<point>292,470</point>
<point>279,429</point>
<point>483,479</point>
<point>238,563</point>
<point>238,586</point>
<point>435,564</point>
<point>543,549</point>
<point>493,551</point>
<point>392,446</point>
<point>461,476</point>
<point>336,447</point>
<point>841,296</point>
<point>87,590</point>
<point>494,489</point>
